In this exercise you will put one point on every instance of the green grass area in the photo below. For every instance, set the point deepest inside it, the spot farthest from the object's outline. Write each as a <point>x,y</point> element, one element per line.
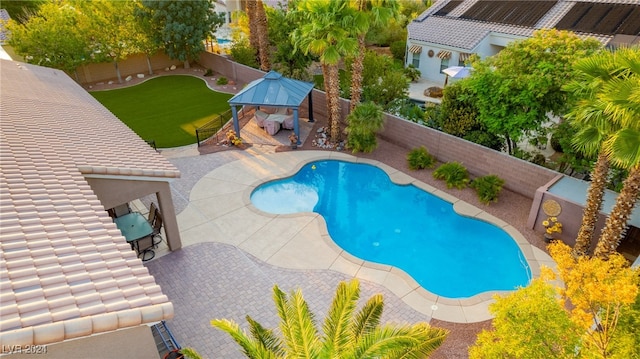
<point>166,109</point>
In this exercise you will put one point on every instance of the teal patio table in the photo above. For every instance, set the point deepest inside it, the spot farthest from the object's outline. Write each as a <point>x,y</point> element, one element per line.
<point>134,227</point>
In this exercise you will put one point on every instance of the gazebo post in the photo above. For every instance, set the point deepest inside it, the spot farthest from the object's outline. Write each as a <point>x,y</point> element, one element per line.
<point>311,106</point>
<point>296,125</point>
<point>236,122</point>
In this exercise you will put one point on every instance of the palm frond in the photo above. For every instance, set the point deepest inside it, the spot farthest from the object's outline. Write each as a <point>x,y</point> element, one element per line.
<point>624,148</point>
<point>286,322</point>
<point>304,327</point>
<point>368,318</point>
<point>416,341</point>
<point>588,140</point>
<point>336,325</point>
<point>265,338</point>
<point>249,346</point>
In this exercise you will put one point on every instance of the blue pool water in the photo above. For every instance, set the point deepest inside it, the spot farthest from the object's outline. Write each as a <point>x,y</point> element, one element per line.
<point>379,221</point>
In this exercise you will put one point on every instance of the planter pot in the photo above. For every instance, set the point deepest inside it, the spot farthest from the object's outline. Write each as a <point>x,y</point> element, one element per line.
<point>548,238</point>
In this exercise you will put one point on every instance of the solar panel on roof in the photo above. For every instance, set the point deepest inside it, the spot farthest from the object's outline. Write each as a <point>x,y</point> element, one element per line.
<point>523,13</point>
<point>607,19</point>
<point>448,8</point>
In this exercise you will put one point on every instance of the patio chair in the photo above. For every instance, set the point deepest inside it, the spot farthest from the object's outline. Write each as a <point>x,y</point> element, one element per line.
<point>156,236</point>
<point>121,210</point>
<point>145,248</point>
<point>152,213</point>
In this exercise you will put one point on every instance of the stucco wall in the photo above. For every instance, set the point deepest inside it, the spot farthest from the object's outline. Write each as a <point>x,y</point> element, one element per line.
<point>133,65</point>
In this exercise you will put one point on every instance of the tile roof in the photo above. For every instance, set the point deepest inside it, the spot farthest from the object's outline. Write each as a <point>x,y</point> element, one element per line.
<point>65,269</point>
<point>453,31</point>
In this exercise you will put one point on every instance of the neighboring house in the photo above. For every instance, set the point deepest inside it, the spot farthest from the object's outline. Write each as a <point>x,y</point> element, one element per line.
<point>4,18</point>
<point>450,31</point>
<point>68,279</point>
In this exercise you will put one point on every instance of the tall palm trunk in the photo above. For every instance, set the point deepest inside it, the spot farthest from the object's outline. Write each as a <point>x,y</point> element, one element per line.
<point>619,216</point>
<point>254,40</point>
<point>356,74</point>
<point>333,97</point>
<point>593,206</point>
<point>325,75</point>
<point>263,37</point>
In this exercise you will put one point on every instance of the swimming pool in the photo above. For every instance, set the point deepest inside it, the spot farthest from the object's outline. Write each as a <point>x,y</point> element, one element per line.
<point>400,225</point>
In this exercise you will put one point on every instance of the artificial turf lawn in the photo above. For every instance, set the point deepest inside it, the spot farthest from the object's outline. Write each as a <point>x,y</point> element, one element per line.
<point>165,109</point>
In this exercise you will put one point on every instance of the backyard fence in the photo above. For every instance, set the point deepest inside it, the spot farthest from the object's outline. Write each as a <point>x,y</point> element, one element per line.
<point>212,127</point>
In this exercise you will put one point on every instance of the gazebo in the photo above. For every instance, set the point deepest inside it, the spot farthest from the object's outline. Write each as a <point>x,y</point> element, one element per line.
<point>273,90</point>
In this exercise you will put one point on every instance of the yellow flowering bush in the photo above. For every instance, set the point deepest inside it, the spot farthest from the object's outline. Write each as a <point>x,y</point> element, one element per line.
<point>233,139</point>
<point>552,225</point>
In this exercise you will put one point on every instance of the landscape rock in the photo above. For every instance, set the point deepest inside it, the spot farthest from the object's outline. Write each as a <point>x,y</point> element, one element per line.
<point>110,82</point>
<point>129,78</point>
<point>166,69</point>
<point>140,76</point>
<point>173,67</point>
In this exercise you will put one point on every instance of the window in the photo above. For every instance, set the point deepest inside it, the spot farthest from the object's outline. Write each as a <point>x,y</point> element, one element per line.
<point>416,60</point>
<point>444,64</point>
<point>460,62</point>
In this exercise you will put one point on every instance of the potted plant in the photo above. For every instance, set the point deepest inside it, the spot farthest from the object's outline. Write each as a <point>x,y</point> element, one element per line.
<point>294,140</point>
<point>551,225</point>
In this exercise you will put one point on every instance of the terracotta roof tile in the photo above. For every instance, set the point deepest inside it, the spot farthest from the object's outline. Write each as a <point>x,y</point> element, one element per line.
<point>66,270</point>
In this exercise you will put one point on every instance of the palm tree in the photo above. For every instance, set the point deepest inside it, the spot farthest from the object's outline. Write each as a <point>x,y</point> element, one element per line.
<point>588,115</point>
<point>327,33</point>
<point>370,13</point>
<point>608,113</point>
<point>622,96</point>
<point>345,332</point>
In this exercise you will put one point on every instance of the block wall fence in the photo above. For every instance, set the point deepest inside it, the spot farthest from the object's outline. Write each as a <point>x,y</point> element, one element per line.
<point>520,176</point>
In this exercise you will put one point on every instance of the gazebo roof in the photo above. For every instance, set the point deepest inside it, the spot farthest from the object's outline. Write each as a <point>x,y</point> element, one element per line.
<point>273,90</point>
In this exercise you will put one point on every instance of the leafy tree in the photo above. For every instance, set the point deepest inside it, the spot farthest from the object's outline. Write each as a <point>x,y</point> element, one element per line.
<point>110,25</point>
<point>519,86</point>
<point>536,322</point>
<point>285,59</point>
<point>143,36</point>
<point>182,25</point>
<point>459,116</point>
<point>383,81</point>
<point>363,124</point>
<point>600,291</point>
<point>529,323</point>
<point>345,332</point>
<point>328,33</point>
<point>53,37</point>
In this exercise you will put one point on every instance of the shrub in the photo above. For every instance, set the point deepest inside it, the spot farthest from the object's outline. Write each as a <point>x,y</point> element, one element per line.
<point>453,173</point>
<point>364,122</point>
<point>209,72</point>
<point>488,188</point>
<point>420,158</point>
<point>222,81</point>
<point>244,54</point>
<point>398,49</point>
<point>412,72</point>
